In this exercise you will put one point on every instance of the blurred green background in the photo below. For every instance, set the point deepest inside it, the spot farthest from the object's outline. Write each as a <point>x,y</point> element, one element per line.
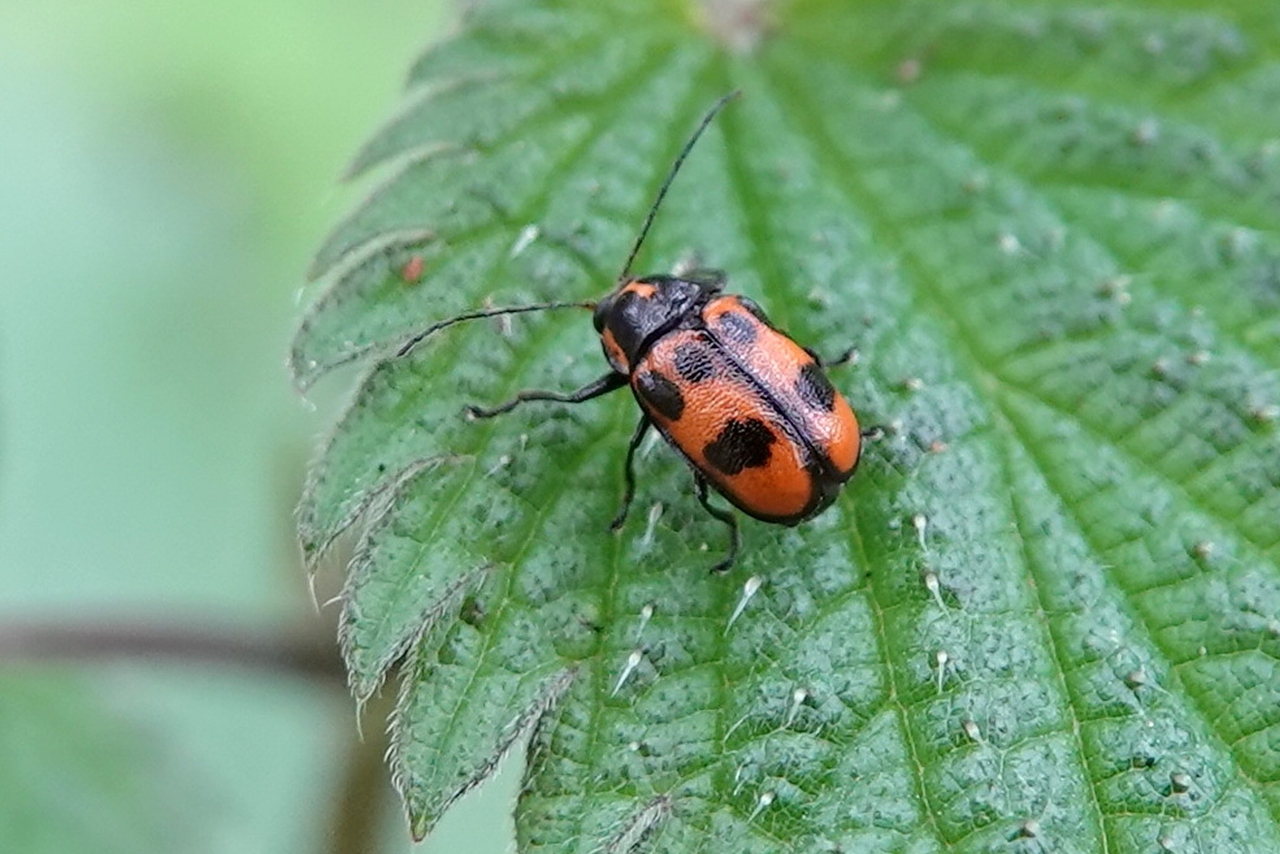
<point>165,170</point>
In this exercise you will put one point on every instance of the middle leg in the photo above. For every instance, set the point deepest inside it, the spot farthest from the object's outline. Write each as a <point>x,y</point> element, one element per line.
<point>630,472</point>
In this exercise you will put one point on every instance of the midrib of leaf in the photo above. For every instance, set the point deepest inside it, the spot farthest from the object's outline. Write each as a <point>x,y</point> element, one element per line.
<point>986,378</point>
<point>774,273</point>
<point>767,264</point>
<point>858,548</point>
<point>1055,644</point>
<point>804,114</point>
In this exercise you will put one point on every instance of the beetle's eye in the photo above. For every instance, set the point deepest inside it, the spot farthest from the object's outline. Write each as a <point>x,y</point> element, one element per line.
<point>602,313</point>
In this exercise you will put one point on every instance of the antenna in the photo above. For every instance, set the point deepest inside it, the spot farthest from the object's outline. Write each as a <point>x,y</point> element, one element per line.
<point>671,176</point>
<point>488,312</point>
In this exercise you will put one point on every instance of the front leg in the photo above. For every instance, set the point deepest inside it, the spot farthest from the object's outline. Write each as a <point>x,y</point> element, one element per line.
<point>611,381</point>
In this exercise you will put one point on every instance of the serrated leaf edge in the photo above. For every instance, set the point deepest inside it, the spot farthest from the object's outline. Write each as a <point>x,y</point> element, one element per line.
<point>368,506</point>
<point>430,617</point>
<point>554,688</point>
<point>381,245</point>
<point>417,96</point>
<point>398,166</point>
<point>640,827</point>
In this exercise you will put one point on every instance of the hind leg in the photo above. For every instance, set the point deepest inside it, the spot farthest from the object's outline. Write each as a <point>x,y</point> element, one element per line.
<point>727,518</point>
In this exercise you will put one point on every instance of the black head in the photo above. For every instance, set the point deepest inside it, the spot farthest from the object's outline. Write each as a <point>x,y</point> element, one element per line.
<point>641,310</point>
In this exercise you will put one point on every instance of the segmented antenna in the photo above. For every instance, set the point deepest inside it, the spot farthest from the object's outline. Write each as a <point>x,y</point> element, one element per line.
<point>666,184</point>
<point>488,312</point>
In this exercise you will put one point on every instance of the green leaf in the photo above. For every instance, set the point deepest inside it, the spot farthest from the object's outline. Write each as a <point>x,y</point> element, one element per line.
<point>73,778</point>
<point>1045,616</point>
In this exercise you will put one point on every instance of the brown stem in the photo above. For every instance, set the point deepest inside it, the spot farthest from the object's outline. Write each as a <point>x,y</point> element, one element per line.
<point>364,792</point>
<point>360,804</point>
<point>299,651</point>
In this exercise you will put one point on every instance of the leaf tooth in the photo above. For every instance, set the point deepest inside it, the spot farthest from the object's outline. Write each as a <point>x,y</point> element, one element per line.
<point>364,680</point>
<point>315,539</point>
<point>368,561</point>
<point>641,826</point>
<point>304,364</point>
<point>422,818</point>
<point>338,246</point>
<point>382,146</point>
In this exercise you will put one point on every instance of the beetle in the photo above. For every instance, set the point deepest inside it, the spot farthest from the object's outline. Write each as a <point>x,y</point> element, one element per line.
<point>750,410</point>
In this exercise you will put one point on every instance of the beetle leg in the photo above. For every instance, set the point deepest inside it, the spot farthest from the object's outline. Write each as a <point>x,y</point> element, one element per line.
<point>630,473</point>
<point>607,383</point>
<point>724,516</point>
<point>850,355</point>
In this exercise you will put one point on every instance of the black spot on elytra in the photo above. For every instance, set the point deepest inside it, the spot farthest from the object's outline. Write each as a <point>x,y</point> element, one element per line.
<point>662,394</point>
<point>742,444</point>
<point>737,328</point>
<point>693,363</point>
<point>815,389</point>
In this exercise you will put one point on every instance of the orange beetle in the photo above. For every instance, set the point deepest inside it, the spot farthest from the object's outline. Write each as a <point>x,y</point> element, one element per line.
<point>750,410</point>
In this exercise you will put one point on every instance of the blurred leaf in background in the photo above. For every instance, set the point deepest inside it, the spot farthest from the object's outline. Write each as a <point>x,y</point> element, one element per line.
<point>73,775</point>
<point>164,169</point>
